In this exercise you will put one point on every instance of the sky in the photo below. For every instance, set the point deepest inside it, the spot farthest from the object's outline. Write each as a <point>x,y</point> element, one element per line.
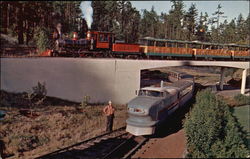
<point>231,9</point>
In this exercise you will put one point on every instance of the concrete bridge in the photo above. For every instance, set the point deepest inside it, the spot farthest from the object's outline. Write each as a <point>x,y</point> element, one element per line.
<point>101,79</point>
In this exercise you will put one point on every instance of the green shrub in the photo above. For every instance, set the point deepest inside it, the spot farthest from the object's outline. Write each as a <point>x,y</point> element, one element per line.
<point>12,31</point>
<point>85,101</point>
<point>242,99</point>
<point>37,96</point>
<point>40,89</point>
<point>212,130</point>
<point>42,38</point>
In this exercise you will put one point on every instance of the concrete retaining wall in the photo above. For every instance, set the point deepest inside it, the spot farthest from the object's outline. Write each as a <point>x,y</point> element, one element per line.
<point>69,78</point>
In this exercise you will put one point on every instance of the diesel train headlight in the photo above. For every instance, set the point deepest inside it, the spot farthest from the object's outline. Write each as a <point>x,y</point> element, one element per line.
<point>137,110</point>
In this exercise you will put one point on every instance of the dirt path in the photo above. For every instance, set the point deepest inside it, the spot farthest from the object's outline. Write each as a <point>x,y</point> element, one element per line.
<point>172,146</point>
<point>231,92</point>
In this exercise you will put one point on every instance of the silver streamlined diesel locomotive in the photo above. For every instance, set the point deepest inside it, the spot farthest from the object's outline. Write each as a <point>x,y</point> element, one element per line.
<point>154,104</point>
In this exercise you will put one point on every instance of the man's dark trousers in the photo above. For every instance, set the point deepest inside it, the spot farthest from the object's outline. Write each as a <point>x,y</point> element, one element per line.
<point>109,122</point>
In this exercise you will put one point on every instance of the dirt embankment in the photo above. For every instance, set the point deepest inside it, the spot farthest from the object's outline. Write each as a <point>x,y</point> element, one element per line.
<point>172,146</point>
<point>54,125</point>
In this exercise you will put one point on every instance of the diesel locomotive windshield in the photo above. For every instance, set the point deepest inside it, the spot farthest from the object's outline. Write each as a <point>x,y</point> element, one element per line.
<point>150,93</point>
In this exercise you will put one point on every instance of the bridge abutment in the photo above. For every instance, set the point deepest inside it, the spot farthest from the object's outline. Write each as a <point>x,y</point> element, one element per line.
<point>243,81</point>
<point>222,76</point>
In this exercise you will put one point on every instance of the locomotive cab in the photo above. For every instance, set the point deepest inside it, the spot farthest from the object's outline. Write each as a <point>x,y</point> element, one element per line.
<point>100,40</point>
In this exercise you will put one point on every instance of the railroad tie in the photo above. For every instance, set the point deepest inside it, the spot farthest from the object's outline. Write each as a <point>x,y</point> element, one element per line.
<point>90,143</point>
<point>97,140</point>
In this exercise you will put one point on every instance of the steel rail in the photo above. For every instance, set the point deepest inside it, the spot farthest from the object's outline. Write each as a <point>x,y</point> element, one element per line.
<point>132,152</point>
<point>80,143</point>
<point>117,148</point>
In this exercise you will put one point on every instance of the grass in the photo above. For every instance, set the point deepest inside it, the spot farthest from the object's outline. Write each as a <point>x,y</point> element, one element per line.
<point>57,127</point>
<point>242,113</point>
<point>242,99</point>
<point>238,100</point>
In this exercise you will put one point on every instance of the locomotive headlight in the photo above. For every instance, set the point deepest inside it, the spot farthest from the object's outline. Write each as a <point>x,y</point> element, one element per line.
<point>138,111</point>
<point>88,35</point>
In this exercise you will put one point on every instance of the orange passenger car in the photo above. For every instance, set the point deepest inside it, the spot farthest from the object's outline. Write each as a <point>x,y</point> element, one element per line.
<point>177,48</point>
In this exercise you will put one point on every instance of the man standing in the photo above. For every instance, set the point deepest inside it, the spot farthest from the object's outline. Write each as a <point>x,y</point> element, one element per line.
<point>109,112</point>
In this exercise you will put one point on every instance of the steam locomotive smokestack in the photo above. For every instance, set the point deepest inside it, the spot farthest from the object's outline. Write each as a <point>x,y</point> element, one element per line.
<point>87,12</point>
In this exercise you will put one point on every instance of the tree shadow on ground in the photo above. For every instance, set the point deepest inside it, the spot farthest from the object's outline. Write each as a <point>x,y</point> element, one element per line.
<point>174,122</point>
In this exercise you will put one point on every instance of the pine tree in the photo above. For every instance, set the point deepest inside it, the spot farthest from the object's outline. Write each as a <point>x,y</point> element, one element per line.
<point>190,20</point>
<point>150,23</point>
<point>175,19</point>
<point>218,14</point>
<point>202,28</point>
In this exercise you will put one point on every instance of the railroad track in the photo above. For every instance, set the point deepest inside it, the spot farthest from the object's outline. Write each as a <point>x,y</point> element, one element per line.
<point>116,144</point>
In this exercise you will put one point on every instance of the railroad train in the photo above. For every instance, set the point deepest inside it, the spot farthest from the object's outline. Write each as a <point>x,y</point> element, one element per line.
<point>96,44</point>
<point>153,104</point>
<point>103,44</point>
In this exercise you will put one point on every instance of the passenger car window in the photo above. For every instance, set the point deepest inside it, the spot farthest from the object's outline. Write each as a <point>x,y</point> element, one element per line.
<point>103,38</point>
<point>143,42</point>
<point>181,45</point>
<point>151,43</point>
<point>160,43</point>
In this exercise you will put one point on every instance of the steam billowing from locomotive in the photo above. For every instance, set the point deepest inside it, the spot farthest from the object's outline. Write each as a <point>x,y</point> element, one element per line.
<point>87,12</point>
